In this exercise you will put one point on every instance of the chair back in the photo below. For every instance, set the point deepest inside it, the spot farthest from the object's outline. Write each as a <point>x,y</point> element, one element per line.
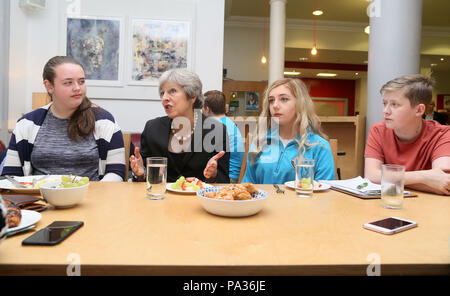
<point>126,145</point>
<point>334,150</point>
<point>244,159</point>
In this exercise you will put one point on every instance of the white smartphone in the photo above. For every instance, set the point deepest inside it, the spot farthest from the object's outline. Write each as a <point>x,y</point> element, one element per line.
<point>390,225</point>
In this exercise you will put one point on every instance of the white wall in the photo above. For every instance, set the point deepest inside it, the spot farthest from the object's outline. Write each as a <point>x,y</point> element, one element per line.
<point>4,58</point>
<point>36,37</point>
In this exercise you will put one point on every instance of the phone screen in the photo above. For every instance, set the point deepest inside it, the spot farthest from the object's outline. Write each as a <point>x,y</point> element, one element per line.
<point>391,223</point>
<point>53,233</point>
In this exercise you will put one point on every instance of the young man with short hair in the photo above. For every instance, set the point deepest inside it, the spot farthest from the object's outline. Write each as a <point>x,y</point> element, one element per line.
<point>405,138</point>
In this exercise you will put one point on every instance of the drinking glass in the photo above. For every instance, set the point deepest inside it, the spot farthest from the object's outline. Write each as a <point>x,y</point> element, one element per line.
<point>156,177</point>
<point>392,185</point>
<point>304,177</point>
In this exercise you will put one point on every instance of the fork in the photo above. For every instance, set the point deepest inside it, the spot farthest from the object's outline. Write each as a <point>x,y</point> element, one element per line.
<point>15,182</point>
<point>279,190</point>
<point>35,181</point>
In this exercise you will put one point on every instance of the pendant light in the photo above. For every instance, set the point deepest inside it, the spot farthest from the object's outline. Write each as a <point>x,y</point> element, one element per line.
<point>263,58</point>
<point>314,49</point>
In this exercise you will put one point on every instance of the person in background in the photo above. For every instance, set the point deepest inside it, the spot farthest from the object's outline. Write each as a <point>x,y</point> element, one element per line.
<point>430,114</point>
<point>214,106</point>
<point>69,135</point>
<point>405,138</point>
<point>181,136</point>
<point>297,135</point>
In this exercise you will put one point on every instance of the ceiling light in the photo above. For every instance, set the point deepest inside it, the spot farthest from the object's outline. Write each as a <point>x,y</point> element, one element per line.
<point>433,65</point>
<point>263,58</point>
<point>291,73</point>
<point>442,59</point>
<point>356,73</point>
<point>367,30</point>
<point>317,12</point>
<point>314,49</point>
<point>327,74</point>
<point>303,59</point>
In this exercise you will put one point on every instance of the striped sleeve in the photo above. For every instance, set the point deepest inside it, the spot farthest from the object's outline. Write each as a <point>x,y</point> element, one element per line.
<point>18,156</point>
<point>110,145</point>
<point>19,149</point>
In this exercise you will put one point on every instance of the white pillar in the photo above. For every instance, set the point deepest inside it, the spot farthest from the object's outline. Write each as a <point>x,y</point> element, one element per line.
<point>4,69</point>
<point>277,39</point>
<point>394,48</point>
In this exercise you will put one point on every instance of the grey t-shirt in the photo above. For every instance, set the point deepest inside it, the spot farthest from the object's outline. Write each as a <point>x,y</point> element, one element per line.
<point>55,153</point>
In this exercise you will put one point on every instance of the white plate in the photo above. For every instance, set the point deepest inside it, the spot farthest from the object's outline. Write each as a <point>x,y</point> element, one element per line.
<point>168,187</point>
<point>28,218</point>
<point>290,184</point>
<point>5,184</point>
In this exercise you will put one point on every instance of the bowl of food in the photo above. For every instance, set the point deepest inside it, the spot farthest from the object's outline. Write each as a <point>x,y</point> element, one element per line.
<point>235,200</point>
<point>65,193</point>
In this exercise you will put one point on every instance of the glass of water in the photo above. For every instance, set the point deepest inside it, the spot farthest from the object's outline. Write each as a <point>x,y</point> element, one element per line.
<point>156,177</point>
<point>304,177</point>
<point>392,185</point>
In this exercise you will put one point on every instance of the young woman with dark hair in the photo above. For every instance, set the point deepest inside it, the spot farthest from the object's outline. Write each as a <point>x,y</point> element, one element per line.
<point>69,135</point>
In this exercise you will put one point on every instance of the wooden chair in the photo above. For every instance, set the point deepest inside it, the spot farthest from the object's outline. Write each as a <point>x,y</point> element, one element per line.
<point>39,100</point>
<point>244,159</point>
<point>334,151</point>
<point>126,144</point>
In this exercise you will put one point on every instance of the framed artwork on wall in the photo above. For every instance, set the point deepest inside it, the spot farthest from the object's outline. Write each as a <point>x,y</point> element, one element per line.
<point>447,102</point>
<point>97,43</point>
<point>157,46</point>
<point>251,101</point>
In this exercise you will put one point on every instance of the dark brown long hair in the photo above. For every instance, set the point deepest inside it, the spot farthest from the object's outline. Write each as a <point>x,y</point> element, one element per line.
<point>82,121</point>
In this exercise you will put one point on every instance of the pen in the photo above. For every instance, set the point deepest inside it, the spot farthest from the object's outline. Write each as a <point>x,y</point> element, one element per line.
<point>361,186</point>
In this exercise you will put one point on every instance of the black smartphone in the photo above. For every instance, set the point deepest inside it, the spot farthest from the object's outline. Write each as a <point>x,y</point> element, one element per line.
<point>53,234</point>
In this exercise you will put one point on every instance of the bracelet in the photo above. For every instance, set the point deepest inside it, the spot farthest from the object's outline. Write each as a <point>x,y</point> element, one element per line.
<point>138,178</point>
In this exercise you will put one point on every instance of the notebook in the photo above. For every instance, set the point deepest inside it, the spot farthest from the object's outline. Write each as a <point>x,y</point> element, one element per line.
<point>360,187</point>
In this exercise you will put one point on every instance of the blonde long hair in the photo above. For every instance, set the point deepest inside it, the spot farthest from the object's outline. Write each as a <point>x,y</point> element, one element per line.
<point>306,119</point>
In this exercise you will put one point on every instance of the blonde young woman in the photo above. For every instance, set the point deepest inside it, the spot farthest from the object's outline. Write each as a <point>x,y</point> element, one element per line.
<point>297,134</point>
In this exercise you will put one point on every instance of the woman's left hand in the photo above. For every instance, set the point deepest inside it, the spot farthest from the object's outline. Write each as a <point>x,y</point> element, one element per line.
<point>211,167</point>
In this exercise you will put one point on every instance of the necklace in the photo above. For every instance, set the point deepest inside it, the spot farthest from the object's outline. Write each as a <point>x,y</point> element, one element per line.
<point>185,138</point>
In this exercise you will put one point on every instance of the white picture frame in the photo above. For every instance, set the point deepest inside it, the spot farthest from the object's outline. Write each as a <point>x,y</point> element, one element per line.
<point>156,46</point>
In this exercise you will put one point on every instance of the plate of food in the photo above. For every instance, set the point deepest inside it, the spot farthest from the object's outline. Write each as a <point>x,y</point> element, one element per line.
<point>27,219</point>
<point>189,185</point>
<point>31,183</point>
<point>318,186</point>
<point>235,200</point>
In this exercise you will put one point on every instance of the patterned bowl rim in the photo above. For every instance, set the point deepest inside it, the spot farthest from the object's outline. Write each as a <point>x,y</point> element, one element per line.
<point>263,195</point>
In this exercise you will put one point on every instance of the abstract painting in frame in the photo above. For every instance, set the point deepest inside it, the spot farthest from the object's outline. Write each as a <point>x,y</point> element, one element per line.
<point>97,43</point>
<point>157,46</point>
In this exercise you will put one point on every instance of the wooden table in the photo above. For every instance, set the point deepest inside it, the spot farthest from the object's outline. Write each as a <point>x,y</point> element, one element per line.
<point>127,234</point>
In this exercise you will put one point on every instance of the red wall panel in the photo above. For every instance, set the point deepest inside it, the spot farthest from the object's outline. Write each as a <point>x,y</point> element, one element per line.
<point>333,88</point>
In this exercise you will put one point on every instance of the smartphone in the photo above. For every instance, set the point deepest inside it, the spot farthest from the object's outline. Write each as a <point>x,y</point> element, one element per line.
<point>390,225</point>
<point>53,234</point>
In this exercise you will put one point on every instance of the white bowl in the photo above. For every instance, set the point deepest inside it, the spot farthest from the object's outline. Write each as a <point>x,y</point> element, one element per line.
<point>62,197</point>
<point>231,208</point>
